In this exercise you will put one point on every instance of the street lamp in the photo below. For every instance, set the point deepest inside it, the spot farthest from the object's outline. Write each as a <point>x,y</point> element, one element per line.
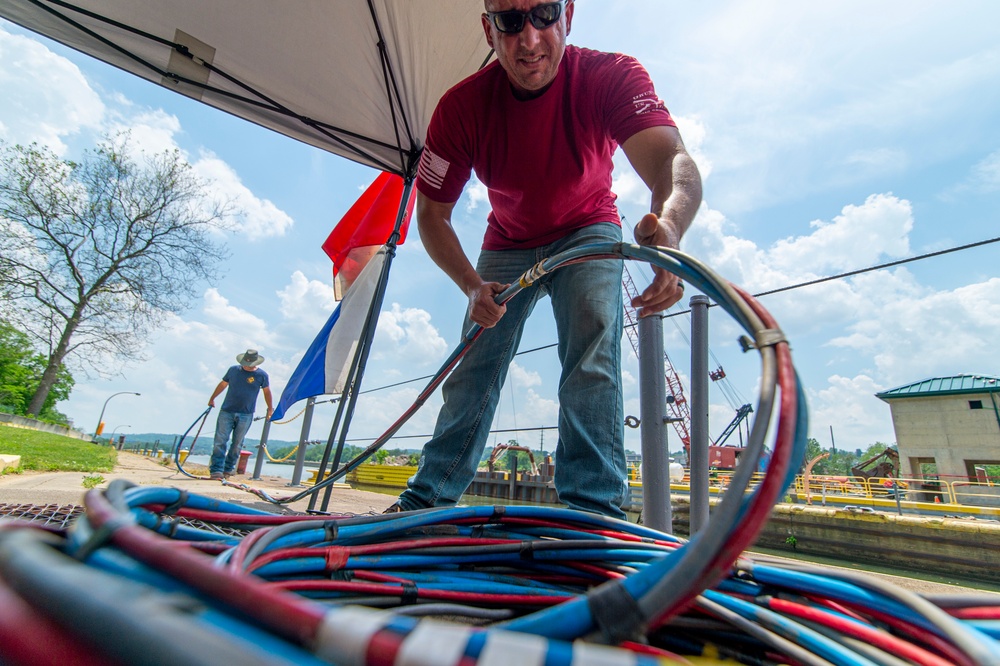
<point>112,442</point>
<point>100,419</point>
<point>117,428</point>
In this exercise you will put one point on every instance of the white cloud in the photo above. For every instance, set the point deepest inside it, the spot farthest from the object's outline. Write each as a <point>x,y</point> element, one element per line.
<point>306,304</point>
<point>45,97</point>
<point>877,160</point>
<point>856,238</point>
<point>410,335</point>
<point>792,111</point>
<point>849,406</point>
<point>249,328</point>
<point>259,218</point>
<point>627,185</point>
<point>522,378</point>
<point>861,236</point>
<point>539,410</point>
<point>983,178</point>
<point>879,329</point>
<point>939,333</point>
<point>476,194</point>
<point>151,131</point>
<point>985,175</point>
<point>630,189</point>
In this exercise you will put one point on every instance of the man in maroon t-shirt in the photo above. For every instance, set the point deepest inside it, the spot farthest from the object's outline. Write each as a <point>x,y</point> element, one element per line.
<point>539,127</point>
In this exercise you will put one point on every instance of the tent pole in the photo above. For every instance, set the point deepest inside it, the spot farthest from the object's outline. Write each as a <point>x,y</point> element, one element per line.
<point>353,384</point>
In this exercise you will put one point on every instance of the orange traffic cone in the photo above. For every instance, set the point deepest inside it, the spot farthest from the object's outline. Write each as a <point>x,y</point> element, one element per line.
<point>937,500</point>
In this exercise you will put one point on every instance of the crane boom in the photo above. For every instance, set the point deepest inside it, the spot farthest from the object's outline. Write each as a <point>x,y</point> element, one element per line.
<point>677,404</point>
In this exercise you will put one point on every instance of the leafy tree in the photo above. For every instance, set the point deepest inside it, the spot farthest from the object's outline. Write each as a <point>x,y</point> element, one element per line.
<point>21,370</point>
<point>873,450</point>
<point>839,462</point>
<point>94,254</point>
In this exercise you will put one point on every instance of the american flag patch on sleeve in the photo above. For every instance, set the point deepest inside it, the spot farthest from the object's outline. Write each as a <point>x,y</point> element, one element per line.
<point>432,169</point>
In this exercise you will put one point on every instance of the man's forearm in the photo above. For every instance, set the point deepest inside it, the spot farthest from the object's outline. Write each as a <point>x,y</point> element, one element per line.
<point>442,244</point>
<point>677,203</point>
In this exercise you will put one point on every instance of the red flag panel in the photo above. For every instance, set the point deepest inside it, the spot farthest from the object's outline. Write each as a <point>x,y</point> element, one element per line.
<point>369,221</point>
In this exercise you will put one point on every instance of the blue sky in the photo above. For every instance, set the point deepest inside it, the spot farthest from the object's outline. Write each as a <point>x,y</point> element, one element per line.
<point>830,137</point>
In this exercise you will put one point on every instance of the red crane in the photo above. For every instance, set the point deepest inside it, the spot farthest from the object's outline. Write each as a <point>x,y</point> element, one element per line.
<point>677,404</point>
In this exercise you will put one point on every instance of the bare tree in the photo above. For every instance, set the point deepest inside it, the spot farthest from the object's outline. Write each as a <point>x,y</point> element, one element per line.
<point>94,254</point>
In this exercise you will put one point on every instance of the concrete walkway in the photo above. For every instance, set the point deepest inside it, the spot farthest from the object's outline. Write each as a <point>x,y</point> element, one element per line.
<point>66,488</point>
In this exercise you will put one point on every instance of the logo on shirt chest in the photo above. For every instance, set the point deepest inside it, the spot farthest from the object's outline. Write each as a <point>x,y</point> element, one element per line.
<point>251,380</point>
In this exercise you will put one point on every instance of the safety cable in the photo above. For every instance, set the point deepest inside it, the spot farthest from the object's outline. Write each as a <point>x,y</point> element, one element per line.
<point>200,422</point>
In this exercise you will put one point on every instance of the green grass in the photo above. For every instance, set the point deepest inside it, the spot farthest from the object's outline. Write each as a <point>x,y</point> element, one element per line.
<point>46,452</point>
<point>92,481</point>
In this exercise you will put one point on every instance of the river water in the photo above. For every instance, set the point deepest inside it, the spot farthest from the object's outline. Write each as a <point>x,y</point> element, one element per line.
<point>267,469</point>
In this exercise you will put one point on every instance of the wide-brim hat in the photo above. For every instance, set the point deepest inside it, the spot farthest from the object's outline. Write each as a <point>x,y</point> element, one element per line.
<point>249,358</point>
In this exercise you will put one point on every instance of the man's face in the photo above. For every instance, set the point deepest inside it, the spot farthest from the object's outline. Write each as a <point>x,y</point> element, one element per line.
<point>531,57</point>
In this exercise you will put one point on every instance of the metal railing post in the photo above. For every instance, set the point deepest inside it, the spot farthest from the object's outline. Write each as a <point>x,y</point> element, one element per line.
<point>259,463</point>
<point>699,413</point>
<point>656,512</point>
<point>300,455</point>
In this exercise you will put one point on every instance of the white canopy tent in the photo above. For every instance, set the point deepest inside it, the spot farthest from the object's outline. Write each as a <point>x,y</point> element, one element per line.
<point>358,78</point>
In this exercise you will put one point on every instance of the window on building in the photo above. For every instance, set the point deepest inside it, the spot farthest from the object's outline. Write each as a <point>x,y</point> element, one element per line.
<point>975,404</point>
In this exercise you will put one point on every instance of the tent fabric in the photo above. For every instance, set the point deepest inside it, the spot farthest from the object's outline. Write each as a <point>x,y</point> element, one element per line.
<point>310,69</point>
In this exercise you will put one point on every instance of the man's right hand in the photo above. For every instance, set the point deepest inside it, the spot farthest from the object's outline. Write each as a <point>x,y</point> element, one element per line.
<point>483,308</point>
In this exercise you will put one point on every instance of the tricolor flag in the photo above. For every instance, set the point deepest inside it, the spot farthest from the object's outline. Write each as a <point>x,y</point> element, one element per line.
<point>323,369</point>
<point>365,228</point>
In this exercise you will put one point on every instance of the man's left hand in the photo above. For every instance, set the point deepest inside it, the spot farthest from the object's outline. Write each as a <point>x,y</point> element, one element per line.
<point>666,288</point>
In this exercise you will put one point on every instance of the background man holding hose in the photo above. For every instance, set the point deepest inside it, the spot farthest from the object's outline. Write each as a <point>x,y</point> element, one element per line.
<point>244,382</point>
<point>539,126</point>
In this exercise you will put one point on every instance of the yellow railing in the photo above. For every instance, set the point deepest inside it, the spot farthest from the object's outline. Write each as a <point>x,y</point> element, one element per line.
<point>909,489</point>
<point>860,488</point>
<point>959,492</point>
<point>391,476</point>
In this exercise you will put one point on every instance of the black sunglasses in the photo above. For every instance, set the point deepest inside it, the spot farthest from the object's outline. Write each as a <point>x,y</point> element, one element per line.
<point>541,16</point>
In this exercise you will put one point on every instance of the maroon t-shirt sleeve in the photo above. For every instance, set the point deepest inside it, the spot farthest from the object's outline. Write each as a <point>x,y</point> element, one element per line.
<point>446,162</point>
<point>632,101</point>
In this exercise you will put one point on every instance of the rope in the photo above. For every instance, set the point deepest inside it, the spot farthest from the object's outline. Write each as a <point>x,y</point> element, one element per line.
<point>278,460</point>
<point>301,412</point>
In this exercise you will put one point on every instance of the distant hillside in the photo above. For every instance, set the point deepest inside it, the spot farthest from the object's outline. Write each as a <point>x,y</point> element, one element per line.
<point>168,441</point>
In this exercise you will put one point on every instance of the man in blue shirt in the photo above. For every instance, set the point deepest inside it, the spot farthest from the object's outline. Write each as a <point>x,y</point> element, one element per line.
<point>244,381</point>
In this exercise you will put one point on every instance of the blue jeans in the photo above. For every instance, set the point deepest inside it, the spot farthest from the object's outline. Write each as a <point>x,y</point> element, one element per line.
<point>237,425</point>
<point>590,455</point>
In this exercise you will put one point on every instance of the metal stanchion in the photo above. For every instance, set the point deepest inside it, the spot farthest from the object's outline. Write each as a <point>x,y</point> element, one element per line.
<point>656,512</point>
<point>300,455</point>
<point>699,413</point>
<point>259,463</point>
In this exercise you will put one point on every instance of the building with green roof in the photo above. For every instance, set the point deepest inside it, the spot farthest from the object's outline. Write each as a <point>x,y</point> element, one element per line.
<point>946,427</point>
